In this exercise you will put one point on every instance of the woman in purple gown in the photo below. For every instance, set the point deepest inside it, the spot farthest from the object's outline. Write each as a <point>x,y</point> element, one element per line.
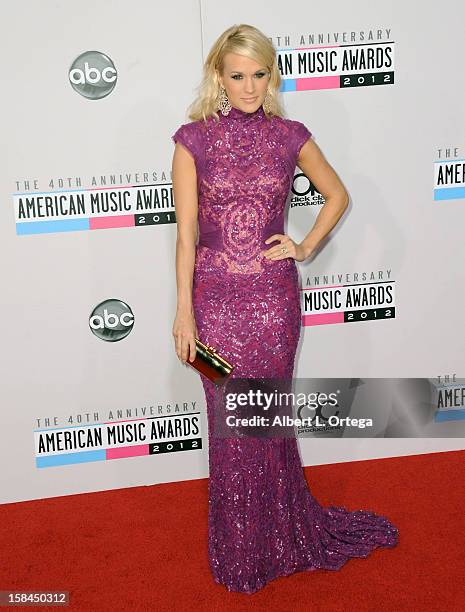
<point>238,290</point>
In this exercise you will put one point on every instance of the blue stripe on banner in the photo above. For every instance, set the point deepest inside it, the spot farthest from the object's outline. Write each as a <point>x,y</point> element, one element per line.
<point>44,227</point>
<point>84,457</point>
<point>450,415</point>
<point>288,85</point>
<point>453,193</point>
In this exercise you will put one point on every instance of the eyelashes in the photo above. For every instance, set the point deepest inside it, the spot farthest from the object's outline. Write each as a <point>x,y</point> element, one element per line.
<point>260,75</point>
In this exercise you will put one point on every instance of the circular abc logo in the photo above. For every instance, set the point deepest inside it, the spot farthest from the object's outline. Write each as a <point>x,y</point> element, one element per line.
<point>111,320</point>
<point>93,75</point>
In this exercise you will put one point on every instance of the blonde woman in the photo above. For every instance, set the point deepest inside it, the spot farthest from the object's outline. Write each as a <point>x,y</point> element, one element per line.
<point>238,290</point>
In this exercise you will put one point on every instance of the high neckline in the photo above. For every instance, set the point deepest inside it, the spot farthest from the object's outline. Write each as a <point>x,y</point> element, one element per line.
<point>238,114</point>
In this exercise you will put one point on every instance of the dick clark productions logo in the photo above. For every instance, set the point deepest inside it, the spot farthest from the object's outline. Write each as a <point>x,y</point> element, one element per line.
<point>93,75</point>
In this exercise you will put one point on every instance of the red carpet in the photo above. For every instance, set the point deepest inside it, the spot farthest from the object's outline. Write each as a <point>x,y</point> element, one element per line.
<point>145,548</point>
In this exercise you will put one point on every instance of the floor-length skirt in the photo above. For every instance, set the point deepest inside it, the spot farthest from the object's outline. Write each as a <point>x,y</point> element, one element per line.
<point>263,521</point>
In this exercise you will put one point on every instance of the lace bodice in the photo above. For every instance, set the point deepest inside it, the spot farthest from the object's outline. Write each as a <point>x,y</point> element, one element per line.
<point>245,165</point>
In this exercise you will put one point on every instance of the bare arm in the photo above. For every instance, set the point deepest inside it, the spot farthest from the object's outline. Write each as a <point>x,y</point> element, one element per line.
<point>186,206</point>
<point>313,163</point>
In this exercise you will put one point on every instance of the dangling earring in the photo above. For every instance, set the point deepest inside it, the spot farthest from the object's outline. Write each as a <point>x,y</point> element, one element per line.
<point>267,102</point>
<point>224,105</point>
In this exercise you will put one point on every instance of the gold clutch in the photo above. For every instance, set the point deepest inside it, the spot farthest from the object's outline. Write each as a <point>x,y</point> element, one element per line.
<point>209,363</point>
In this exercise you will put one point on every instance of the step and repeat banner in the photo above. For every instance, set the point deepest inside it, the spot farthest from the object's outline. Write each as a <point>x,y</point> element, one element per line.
<point>94,397</point>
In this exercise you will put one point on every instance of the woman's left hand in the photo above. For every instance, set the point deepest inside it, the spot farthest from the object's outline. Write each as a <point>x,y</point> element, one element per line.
<point>286,248</point>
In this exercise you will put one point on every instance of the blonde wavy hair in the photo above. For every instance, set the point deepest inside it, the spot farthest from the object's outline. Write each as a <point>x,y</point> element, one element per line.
<point>245,40</point>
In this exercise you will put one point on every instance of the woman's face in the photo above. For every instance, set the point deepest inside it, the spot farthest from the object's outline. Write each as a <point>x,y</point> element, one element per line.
<point>245,82</point>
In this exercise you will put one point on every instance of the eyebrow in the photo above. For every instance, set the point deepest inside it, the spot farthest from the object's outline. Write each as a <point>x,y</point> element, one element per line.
<point>239,72</point>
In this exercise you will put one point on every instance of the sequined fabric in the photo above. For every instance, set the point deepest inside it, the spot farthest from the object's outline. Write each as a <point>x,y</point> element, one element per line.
<point>263,522</point>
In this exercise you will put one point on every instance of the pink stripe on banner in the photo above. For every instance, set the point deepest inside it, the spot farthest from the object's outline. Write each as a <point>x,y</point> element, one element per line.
<point>329,82</point>
<point>127,451</point>
<point>323,319</point>
<point>107,222</point>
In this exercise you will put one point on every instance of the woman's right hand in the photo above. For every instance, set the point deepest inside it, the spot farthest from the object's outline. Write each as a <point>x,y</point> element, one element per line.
<point>184,333</point>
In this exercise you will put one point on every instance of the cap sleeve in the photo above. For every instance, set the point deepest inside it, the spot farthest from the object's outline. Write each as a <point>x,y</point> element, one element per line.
<point>190,136</point>
<point>300,135</point>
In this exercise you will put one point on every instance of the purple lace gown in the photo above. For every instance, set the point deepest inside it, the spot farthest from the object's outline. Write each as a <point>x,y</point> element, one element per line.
<point>263,521</point>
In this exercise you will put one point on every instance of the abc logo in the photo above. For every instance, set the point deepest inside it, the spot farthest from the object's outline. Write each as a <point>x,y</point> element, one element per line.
<point>111,320</point>
<point>93,75</point>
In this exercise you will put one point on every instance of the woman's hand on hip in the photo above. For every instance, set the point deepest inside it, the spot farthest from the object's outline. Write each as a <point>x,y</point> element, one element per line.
<point>184,333</point>
<point>286,248</point>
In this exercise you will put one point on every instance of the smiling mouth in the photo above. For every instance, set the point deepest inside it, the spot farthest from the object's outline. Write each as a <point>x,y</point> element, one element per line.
<point>250,99</point>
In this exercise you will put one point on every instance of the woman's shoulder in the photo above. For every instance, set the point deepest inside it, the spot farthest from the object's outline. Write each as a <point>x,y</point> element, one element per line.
<point>191,128</point>
<point>295,132</point>
<point>192,136</point>
<point>292,125</point>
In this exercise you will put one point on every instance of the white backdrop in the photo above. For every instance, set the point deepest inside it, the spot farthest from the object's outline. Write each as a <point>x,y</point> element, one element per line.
<point>384,141</point>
